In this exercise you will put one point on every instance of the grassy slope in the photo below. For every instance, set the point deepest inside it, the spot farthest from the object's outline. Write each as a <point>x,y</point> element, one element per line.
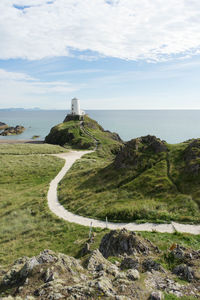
<point>72,135</point>
<point>69,134</point>
<point>22,149</point>
<point>26,224</point>
<point>162,192</point>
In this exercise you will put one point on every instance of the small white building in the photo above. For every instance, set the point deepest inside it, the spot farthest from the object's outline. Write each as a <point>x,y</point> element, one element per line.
<point>75,108</point>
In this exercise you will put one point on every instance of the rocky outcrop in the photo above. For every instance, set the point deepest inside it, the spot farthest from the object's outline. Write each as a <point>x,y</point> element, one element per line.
<point>115,136</point>
<point>133,152</point>
<point>184,272</point>
<point>13,130</point>
<point>191,156</point>
<point>58,276</point>
<point>129,263</point>
<point>156,296</point>
<point>82,133</point>
<point>150,264</point>
<point>120,242</point>
<point>3,125</point>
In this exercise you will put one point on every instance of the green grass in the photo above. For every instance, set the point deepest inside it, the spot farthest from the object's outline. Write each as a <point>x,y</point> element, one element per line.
<point>173,297</point>
<point>165,240</point>
<point>22,149</point>
<point>26,224</point>
<point>69,134</point>
<point>159,190</point>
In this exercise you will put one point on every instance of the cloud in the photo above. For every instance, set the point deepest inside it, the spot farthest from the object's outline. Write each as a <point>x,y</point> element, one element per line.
<point>25,89</point>
<point>128,29</point>
<point>6,75</point>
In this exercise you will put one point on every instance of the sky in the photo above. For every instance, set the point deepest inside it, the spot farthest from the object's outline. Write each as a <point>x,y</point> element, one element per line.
<point>111,54</point>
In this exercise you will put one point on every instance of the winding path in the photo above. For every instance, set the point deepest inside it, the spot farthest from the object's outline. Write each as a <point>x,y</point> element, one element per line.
<point>61,212</point>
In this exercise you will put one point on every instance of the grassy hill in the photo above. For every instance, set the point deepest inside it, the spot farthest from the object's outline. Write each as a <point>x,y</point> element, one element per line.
<point>83,135</point>
<point>26,224</point>
<point>146,180</point>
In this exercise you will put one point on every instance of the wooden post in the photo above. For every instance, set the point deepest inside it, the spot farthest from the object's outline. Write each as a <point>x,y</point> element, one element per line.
<point>106,222</point>
<point>90,232</point>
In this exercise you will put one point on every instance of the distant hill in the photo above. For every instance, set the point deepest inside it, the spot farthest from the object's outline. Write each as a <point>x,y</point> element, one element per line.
<point>19,108</point>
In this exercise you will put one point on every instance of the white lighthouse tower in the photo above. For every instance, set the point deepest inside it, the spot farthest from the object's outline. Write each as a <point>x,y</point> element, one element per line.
<point>75,108</point>
<point>76,112</point>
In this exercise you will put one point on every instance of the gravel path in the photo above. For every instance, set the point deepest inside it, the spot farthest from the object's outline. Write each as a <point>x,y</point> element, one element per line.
<point>61,212</point>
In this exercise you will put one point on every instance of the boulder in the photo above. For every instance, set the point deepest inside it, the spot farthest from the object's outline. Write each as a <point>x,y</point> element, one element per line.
<point>158,295</point>
<point>184,272</point>
<point>86,249</point>
<point>177,252</point>
<point>97,263</point>
<point>13,275</point>
<point>133,274</point>
<point>120,242</point>
<point>129,263</point>
<point>28,267</point>
<point>150,264</point>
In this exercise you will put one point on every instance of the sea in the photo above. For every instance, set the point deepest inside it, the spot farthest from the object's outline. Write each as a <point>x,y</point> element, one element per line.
<point>173,126</point>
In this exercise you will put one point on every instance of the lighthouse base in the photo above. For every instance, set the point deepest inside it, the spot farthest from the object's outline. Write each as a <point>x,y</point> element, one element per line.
<point>71,117</point>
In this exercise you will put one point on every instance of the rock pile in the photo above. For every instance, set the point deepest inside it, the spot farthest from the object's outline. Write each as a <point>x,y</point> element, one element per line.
<point>122,242</point>
<point>133,274</point>
<point>13,130</point>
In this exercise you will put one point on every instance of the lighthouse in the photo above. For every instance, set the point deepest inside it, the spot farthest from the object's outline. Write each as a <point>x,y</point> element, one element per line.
<point>75,108</point>
<point>76,112</point>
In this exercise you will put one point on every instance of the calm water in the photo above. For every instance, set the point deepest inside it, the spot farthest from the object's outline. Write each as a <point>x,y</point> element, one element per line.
<point>171,125</point>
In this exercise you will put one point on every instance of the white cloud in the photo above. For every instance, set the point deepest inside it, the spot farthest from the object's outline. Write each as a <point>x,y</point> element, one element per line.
<point>25,89</point>
<point>6,75</point>
<point>128,29</point>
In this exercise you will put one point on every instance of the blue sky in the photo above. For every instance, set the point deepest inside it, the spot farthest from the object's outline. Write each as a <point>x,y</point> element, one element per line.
<point>130,54</point>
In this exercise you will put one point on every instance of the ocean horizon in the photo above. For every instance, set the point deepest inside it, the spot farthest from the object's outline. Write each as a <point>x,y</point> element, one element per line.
<point>173,126</point>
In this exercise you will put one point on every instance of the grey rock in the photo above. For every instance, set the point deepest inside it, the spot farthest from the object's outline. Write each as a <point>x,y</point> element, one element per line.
<point>129,263</point>
<point>150,264</point>
<point>105,285</point>
<point>178,253</point>
<point>49,275</point>
<point>28,267</point>
<point>121,242</point>
<point>122,288</point>
<point>13,275</point>
<point>133,274</point>
<point>97,263</point>
<point>47,256</point>
<point>158,295</point>
<point>86,249</point>
<point>184,272</point>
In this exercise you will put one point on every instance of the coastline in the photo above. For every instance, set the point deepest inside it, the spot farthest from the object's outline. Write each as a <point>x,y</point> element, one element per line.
<point>20,142</point>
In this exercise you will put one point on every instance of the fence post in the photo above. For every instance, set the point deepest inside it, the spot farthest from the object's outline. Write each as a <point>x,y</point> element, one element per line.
<point>90,232</point>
